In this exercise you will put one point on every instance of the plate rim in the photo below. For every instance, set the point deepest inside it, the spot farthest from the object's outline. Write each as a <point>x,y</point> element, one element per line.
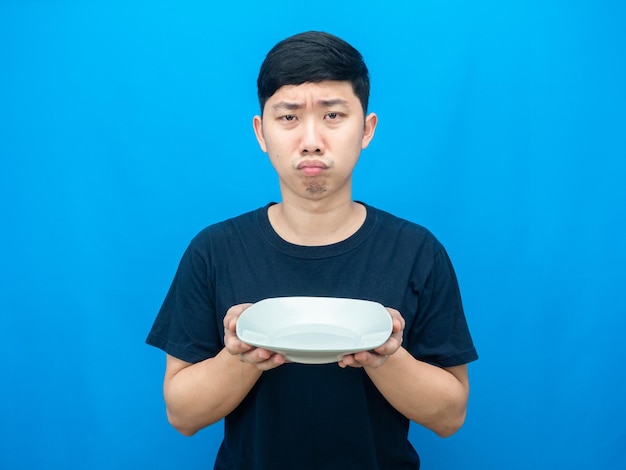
<point>321,351</point>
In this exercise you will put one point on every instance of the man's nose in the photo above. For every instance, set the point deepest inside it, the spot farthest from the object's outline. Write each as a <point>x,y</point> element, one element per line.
<point>311,141</point>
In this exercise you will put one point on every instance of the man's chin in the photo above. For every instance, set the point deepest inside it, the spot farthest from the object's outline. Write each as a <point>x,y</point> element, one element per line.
<point>315,189</point>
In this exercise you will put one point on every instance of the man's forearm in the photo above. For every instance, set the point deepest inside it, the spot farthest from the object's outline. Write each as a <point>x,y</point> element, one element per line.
<point>198,395</point>
<point>433,397</point>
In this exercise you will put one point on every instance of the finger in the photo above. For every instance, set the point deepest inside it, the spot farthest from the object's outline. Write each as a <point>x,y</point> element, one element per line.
<point>398,324</point>
<point>230,322</point>
<point>369,359</point>
<point>272,362</point>
<point>242,347</point>
<point>397,320</point>
<point>255,355</point>
<point>259,356</point>
<point>233,314</point>
<point>236,347</point>
<point>348,361</point>
<point>390,346</point>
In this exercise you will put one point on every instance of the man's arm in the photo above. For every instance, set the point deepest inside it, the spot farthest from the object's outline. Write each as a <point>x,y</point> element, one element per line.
<point>198,395</point>
<point>429,395</point>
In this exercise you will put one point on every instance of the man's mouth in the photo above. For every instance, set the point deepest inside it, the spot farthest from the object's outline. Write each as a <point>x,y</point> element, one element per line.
<point>312,167</point>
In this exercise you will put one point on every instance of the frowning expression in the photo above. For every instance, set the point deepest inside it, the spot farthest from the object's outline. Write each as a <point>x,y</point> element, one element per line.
<point>313,134</point>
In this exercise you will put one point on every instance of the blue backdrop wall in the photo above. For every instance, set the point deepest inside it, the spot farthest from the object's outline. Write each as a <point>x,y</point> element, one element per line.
<point>125,127</point>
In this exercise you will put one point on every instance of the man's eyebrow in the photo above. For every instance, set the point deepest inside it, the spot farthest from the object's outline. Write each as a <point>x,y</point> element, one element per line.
<point>290,106</point>
<point>333,102</point>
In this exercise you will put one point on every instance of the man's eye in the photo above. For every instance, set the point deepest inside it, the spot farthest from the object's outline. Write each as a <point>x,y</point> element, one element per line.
<point>332,116</point>
<point>289,117</point>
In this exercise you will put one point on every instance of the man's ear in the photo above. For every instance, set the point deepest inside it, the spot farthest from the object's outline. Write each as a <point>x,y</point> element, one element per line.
<point>257,125</point>
<point>368,130</point>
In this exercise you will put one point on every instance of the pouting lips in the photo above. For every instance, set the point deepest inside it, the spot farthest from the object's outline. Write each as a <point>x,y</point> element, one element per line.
<point>312,167</point>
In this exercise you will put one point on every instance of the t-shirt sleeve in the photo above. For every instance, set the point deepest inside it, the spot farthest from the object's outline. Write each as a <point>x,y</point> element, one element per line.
<point>186,326</point>
<point>440,335</point>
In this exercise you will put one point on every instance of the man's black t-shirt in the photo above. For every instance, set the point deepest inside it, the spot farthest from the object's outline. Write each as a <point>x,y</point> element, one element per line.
<point>317,417</point>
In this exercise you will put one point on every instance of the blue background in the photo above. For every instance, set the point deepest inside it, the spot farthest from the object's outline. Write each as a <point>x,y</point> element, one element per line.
<point>125,127</point>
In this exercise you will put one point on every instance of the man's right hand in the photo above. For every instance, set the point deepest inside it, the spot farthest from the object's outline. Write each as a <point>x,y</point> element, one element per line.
<point>263,359</point>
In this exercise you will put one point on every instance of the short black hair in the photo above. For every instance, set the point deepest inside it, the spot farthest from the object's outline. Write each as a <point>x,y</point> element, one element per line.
<point>313,57</point>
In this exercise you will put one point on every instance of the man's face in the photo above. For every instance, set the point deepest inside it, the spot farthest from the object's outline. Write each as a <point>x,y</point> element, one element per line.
<point>313,134</point>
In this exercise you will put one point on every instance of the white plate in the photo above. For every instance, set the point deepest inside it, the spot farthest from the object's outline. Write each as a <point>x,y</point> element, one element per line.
<point>314,330</point>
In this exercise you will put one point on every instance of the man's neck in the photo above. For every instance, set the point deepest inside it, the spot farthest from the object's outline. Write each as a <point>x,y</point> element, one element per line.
<point>315,223</point>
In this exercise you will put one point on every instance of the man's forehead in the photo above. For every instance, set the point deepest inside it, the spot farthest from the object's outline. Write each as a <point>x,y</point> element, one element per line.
<point>298,104</point>
<point>327,93</point>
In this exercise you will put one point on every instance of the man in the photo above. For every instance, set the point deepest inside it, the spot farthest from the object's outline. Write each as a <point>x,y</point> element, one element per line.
<point>313,90</point>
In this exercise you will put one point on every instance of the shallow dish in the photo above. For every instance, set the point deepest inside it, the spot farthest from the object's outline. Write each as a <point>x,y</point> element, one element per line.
<point>315,330</point>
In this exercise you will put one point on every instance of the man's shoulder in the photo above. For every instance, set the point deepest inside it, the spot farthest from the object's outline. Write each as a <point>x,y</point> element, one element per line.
<point>391,222</point>
<point>229,227</point>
